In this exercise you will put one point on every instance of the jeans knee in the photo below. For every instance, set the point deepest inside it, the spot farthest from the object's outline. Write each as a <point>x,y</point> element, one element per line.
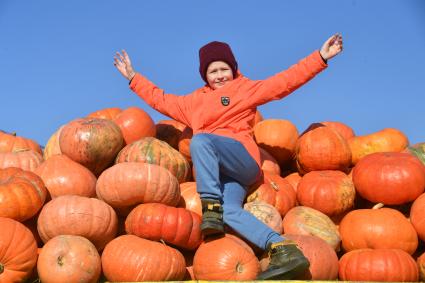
<point>199,141</point>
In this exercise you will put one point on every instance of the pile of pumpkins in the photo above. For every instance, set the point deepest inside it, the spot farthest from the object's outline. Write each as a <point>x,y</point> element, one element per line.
<point>112,197</point>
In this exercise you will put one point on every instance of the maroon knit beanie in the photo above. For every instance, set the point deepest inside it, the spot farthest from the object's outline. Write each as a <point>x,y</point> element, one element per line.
<point>216,51</point>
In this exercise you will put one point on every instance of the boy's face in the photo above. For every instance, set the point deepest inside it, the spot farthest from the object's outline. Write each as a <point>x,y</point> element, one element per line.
<point>218,74</point>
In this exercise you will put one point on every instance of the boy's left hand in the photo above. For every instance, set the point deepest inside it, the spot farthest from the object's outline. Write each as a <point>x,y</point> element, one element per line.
<point>332,47</point>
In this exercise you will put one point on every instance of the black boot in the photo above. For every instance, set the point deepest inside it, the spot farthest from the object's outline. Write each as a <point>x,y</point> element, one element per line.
<point>212,217</point>
<point>286,262</point>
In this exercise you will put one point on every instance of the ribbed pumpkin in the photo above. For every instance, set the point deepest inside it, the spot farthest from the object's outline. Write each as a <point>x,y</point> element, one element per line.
<point>69,258</point>
<point>275,191</point>
<point>417,216</point>
<point>81,216</point>
<point>386,140</point>
<point>184,143</point>
<point>417,150</point>
<point>268,162</point>
<point>266,213</point>
<point>277,137</point>
<point>323,259</point>
<point>92,142</point>
<point>106,113</point>
<point>331,192</point>
<point>130,183</point>
<point>293,179</point>
<point>63,176</point>
<point>18,251</point>
<point>421,265</point>
<point>12,142</point>
<point>170,132</point>
<point>344,130</point>
<point>302,220</point>
<point>225,258</point>
<point>130,258</point>
<point>52,146</point>
<point>155,221</point>
<point>135,124</point>
<point>22,193</point>
<point>378,265</point>
<point>153,151</point>
<point>389,177</point>
<point>190,198</point>
<point>27,160</point>
<point>377,228</point>
<point>322,148</point>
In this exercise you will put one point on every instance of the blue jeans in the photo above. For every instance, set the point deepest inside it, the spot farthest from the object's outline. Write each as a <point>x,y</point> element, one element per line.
<point>224,170</point>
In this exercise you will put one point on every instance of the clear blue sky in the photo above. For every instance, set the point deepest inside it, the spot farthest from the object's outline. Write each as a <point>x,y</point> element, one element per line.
<point>56,57</point>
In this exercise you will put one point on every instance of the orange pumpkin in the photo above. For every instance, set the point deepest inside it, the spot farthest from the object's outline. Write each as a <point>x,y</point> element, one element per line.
<point>190,198</point>
<point>130,258</point>
<point>417,213</point>
<point>52,146</point>
<point>378,265</point>
<point>378,228</point>
<point>68,258</point>
<point>81,216</point>
<point>344,130</point>
<point>331,192</point>
<point>184,143</point>
<point>386,140</point>
<point>135,124</point>
<point>92,142</point>
<point>277,137</point>
<point>389,177</point>
<point>170,131</point>
<point>293,179</point>
<point>12,143</point>
<point>130,183</point>
<point>18,251</point>
<point>421,265</point>
<point>268,162</point>
<point>27,160</point>
<point>106,113</point>
<point>22,193</point>
<point>322,148</point>
<point>225,258</point>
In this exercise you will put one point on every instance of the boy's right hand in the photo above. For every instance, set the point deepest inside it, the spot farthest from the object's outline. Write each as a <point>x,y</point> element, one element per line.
<point>123,64</point>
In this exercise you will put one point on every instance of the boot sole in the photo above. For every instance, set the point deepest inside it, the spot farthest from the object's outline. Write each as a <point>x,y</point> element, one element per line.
<point>208,230</point>
<point>287,272</point>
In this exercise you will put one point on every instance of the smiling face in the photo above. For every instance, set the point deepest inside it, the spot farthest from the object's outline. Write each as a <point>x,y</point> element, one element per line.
<point>218,74</point>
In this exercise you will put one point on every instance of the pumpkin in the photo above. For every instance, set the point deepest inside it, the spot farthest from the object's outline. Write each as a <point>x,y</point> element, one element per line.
<point>170,132</point>
<point>68,258</point>
<point>417,150</point>
<point>155,221</point>
<point>135,124</point>
<point>12,142</point>
<point>225,258</point>
<point>266,213</point>
<point>63,176</point>
<point>190,198</point>
<point>106,113</point>
<point>268,162</point>
<point>344,130</point>
<point>417,213</point>
<point>421,265</point>
<point>377,228</point>
<point>277,137</point>
<point>153,151</point>
<point>389,177</point>
<point>130,258</point>
<point>52,147</point>
<point>275,191</point>
<point>293,179</point>
<point>323,259</point>
<point>386,140</point>
<point>130,183</point>
<point>378,265</point>
<point>81,216</point>
<point>184,143</point>
<point>302,220</point>
<point>322,148</point>
<point>18,251</point>
<point>328,191</point>
<point>27,160</point>
<point>22,193</point>
<point>92,142</point>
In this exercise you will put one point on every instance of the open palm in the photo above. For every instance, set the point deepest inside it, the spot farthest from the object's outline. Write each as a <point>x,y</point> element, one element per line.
<point>332,47</point>
<point>123,63</point>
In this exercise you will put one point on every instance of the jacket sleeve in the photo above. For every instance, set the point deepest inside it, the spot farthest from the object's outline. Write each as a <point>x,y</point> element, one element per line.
<point>173,106</point>
<point>285,82</point>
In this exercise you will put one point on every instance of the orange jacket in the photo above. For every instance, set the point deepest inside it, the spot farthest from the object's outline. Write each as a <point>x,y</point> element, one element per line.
<point>205,109</point>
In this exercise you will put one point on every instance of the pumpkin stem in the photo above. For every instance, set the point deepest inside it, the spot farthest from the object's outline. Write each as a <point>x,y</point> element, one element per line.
<point>1,268</point>
<point>239,268</point>
<point>13,134</point>
<point>378,205</point>
<point>60,260</point>
<point>162,241</point>
<point>274,186</point>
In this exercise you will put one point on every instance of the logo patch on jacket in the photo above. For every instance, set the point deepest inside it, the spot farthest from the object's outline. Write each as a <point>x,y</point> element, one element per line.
<point>225,100</point>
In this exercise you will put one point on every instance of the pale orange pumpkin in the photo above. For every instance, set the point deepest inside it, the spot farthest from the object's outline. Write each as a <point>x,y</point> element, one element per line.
<point>268,162</point>
<point>266,213</point>
<point>190,198</point>
<point>106,113</point>
<point>12,142</point>
<point>27,160</point>
<point>52,146</point>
